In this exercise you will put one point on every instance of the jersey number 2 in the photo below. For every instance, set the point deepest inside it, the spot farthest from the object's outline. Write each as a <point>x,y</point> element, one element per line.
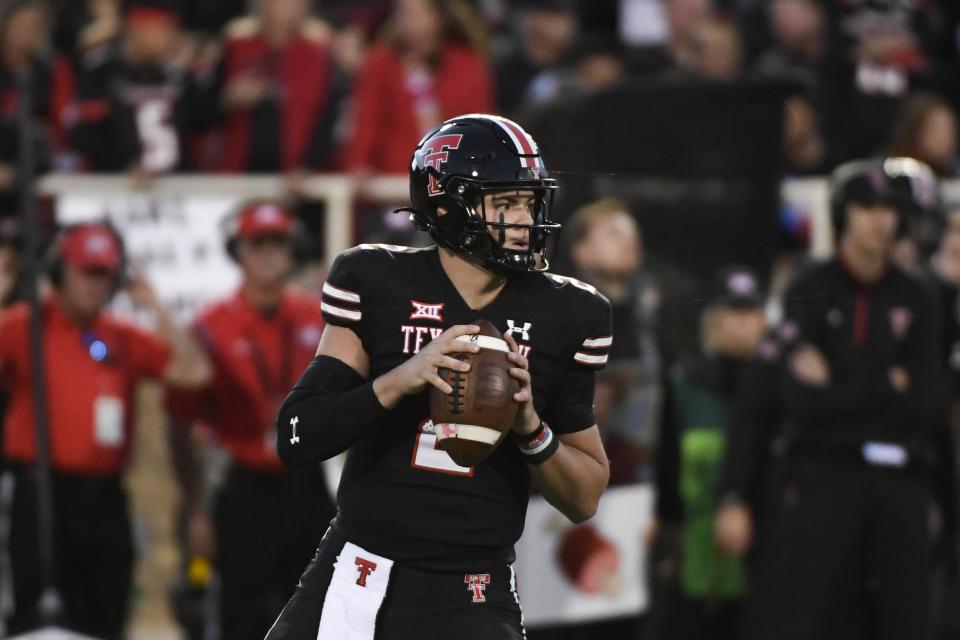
<point>429,457</point>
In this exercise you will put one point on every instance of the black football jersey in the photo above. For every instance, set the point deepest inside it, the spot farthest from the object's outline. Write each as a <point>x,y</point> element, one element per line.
<point>402,497</point>
<point>129,114</point>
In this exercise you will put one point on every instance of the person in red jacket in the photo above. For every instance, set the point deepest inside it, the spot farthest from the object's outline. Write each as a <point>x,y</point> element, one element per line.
<point>422,72</point>
<point>93,363</point>
<point>266,521</point>
<point>278,83</point>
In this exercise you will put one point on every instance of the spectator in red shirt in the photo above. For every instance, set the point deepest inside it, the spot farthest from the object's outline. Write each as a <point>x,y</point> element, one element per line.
<point>428,67</point>
<point>267,520</point>
<point>93,362</point>
<point>278,77</point>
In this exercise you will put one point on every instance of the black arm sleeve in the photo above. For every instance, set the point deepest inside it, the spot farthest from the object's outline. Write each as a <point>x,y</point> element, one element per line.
<point>329,409</point>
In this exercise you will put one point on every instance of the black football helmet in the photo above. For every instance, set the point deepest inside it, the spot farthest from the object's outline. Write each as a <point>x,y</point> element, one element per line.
<point>908,185</point>
<point>456,165</point>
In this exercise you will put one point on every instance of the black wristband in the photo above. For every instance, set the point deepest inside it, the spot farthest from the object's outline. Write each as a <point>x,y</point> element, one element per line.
<point>541,446</point>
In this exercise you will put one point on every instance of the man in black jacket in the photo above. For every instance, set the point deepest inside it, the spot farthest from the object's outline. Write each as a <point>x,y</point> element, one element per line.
<point>845,549</point>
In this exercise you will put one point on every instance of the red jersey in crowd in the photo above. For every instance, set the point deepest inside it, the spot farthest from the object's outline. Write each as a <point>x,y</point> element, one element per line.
<point>395,106</point>
<point>299,75</point>
<point>91,376</point>
<point>256,359</point>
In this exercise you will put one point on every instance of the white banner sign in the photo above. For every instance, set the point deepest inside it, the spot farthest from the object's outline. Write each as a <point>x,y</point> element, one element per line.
<point>578,573</point>
<point>175,240</point>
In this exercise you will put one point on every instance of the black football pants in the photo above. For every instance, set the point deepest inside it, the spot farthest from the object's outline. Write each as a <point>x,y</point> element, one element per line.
<point>93,553</point>
<point>844,554</point>
<point>418,605</point>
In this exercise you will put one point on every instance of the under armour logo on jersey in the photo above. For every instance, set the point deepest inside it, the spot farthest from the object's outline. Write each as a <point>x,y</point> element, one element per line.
<point>523,332</point>
<point>426,311</point>
<point>477,583</point>
<point>293,423</point>
<point>365,567</point>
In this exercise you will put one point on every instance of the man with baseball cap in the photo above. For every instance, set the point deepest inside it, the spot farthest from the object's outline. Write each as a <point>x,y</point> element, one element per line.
<point>266,520</point>
<point>93,362</point>
<point>700,393</point>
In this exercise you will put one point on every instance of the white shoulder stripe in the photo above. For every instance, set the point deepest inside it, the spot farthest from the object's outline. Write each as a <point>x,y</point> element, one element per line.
<point>586,358</point>
<point>346,314</point>
<point>579,284</point>
<point>340,294</point>
<point>593,343</point>
<point>370,246</point>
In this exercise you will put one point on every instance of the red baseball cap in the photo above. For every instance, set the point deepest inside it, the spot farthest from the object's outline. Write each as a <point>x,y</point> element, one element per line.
<point>91,246</point>
<point>264,218</point>
<point>152,12</point>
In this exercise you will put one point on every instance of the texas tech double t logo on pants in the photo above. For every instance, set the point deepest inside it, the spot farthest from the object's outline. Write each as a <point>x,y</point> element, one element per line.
<point>349,593</point>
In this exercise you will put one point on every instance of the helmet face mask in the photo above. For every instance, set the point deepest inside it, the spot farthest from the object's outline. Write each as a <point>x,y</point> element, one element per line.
<point>462,162</point>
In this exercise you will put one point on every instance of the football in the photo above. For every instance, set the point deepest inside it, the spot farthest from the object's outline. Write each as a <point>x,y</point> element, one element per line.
<point>473,420</point>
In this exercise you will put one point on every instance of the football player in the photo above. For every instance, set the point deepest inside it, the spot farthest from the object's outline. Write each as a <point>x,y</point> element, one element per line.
<point>422,547</point>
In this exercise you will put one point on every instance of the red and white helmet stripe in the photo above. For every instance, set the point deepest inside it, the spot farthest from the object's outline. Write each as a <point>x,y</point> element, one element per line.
<point>526,148</point>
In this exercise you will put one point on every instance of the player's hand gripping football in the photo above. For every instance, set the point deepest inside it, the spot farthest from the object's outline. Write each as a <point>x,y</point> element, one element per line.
<point>527,419</point>
<point>415,374</point>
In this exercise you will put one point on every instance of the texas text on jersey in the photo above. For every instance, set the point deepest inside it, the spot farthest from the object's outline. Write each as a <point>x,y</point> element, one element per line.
<point>399,495</point>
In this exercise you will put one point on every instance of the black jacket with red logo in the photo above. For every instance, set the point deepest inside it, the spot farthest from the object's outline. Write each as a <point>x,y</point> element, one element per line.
<point>864,331</point>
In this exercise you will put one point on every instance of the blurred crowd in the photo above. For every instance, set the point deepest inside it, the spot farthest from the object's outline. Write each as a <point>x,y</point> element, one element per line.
<point>157,86</point>
<point>150,87</point>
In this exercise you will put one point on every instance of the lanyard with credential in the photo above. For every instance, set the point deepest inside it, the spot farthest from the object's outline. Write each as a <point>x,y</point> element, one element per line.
<point>275,386</point>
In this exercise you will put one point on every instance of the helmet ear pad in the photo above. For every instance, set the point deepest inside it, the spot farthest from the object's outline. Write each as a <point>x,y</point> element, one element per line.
<point>461,218</point>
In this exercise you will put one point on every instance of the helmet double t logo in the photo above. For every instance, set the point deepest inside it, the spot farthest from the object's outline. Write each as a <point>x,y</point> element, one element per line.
<point>435,153</point>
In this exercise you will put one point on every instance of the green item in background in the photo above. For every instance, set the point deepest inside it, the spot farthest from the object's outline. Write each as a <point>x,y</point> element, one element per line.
<point>708,572</point>
<point>702,413</point>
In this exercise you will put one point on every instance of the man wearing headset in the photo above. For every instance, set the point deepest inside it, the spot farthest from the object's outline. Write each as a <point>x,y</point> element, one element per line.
<point>266,520</point>
<point>93,362</point>
<point>846,392</point>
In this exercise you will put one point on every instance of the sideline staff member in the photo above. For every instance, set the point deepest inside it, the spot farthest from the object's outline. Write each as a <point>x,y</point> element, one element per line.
<point>268,520</point>
<point>93,364</point>
<point>846,553</point>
